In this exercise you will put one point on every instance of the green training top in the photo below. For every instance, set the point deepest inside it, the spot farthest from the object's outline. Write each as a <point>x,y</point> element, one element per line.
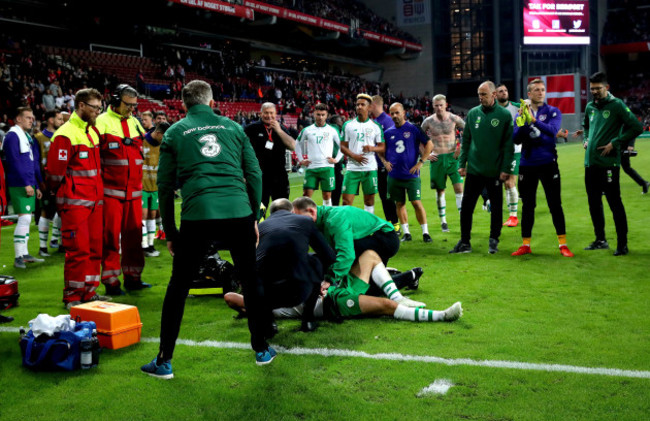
<point>341,225</point>
<point>487,149</point>
<point>608,120</point>
<point>214,163</point>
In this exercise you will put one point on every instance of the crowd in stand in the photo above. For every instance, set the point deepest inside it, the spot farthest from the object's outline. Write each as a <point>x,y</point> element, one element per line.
<point>344,10</point>
<point>626,26</point>
<point>31,78</point>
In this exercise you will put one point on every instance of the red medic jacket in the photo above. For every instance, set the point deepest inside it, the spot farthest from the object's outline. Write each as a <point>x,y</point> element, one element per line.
<point>73,164</point>
<point>121,163</point>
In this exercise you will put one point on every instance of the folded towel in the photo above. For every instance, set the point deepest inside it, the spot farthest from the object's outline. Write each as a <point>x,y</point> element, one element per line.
<point>23,139</point>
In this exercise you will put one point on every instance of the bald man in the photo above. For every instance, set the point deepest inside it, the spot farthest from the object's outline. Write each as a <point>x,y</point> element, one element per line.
<point>403,162</point>
<point>486,159</point>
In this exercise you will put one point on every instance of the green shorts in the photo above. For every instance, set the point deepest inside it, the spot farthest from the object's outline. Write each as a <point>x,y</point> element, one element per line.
<point>346,296</point>
<point>367,179</point>
<point>397,189</point>
<point>323,176</point>
<point>445,166</point>
<point>20,201</point>
<point>515,163</point>
<point>150,200</point>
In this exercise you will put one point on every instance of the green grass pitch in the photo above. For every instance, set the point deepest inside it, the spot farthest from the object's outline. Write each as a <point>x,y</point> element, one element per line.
<point>588,311</point>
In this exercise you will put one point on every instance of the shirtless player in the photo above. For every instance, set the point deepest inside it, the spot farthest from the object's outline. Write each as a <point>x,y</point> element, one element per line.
<point>441,129</point>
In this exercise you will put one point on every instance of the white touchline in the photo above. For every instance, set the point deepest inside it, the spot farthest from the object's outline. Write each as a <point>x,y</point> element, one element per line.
<point>516,365</point>
<point>327,352</point>
<point>439,387</point>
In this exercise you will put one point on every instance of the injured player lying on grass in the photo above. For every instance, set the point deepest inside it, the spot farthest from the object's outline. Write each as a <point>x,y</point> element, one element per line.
<point>348,300</point>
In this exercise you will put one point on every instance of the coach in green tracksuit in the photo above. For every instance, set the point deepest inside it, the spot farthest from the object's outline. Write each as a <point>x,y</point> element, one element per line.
<point>609,126</point>
<point>486,159</point>
<point>220,178</point>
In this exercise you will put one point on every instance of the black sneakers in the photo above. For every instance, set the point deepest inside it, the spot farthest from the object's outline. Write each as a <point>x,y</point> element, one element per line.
<point>415,283</point>
<point>492,245</point>
<point>406,237</point>
<point>621,251</point>
<point>461,247</point>
<point>427,238</point>
<point>598,245</point>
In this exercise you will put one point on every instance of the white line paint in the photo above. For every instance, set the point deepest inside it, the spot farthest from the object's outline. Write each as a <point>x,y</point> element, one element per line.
<point>328,352</point>
<point>439,387</point>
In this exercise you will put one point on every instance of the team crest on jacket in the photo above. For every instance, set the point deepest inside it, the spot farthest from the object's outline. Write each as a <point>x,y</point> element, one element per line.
<point>407,135</point>
<point>211,148</point>
<point>494,122</point>
<point>542,117</point>
<point>606,114</point>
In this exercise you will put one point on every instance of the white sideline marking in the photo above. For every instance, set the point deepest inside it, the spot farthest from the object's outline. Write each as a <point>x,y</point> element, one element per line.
<point>327,352</point>
<point>439,387</point>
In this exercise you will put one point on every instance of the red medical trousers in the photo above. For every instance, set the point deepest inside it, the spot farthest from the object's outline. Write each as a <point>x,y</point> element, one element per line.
<point>122,217</point>
<point>81,231</point>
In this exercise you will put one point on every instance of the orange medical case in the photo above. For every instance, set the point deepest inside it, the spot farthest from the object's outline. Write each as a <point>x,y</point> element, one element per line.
<point>118,325</point>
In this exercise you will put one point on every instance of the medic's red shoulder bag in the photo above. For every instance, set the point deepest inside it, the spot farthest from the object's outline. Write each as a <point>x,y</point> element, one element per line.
<point>8,292</point>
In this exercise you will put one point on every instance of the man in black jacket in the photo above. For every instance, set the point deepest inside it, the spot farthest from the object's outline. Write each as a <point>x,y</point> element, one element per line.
<point>289,273</point>
<point>271,141</point>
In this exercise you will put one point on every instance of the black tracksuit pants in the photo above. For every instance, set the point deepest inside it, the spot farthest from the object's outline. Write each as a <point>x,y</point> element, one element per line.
<point>529,178</point>
<point>599,180</point>
<point>236,235</point>
<point>474,185</point>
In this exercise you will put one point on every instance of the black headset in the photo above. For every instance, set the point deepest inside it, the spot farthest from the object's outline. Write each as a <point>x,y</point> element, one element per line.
<point>116,97</point>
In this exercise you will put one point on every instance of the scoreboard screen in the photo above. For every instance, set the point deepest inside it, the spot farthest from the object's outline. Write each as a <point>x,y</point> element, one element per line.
<point>560,22</point>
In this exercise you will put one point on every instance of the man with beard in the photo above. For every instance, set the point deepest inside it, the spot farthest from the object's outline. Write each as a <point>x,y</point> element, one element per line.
<point>608,126</point>
<point>74,173</point>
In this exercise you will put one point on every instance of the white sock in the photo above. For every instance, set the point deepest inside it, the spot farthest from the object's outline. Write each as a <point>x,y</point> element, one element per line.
<point>56,228</point>
<point>512,196</point>
<point>21,234</point>
<point>442,207</point>
<point>151,231</point>
<point>425,228</point>
<point>417,314</point>
<point>370,209</point>
<point>459,200</point>
<point>43,231</point>
<point>405,229</point>
<point>382,279</point>
<point>144,234</point>
<point>327,202</point>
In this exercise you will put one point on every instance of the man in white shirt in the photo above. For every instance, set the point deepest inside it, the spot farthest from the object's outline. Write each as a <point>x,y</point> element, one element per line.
<point>321,144</point>
<point>360,139</point>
